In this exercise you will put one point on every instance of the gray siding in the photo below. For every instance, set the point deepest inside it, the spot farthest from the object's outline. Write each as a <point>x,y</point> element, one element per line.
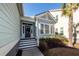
<point>9,27</point>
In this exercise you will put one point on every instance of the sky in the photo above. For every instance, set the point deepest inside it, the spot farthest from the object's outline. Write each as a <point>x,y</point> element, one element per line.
<point>31,9</point>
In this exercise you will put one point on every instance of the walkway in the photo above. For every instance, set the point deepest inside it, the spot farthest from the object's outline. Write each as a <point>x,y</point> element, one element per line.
<point>34,51</point>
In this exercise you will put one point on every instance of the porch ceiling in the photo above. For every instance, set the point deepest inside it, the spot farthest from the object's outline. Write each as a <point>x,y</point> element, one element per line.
<point>29,19</point>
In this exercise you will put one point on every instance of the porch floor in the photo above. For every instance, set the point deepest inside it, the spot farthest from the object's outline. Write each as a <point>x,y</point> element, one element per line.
<point>33,51</point>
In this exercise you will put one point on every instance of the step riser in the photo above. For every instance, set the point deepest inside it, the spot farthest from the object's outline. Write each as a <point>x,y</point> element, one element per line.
<point>27,44</point>
<point>25,47</point>
<point>27,40</point>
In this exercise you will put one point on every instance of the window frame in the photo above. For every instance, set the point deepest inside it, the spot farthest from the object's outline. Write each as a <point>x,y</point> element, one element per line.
<point>41,29</point>
<point>47,29</point>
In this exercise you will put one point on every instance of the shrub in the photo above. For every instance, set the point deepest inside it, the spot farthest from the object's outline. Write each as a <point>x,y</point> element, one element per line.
<point>62,38</point>
<point>43,45</point>
<point>55,41</point>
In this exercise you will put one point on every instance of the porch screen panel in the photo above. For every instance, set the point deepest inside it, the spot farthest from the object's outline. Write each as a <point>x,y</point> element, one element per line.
<point>46,29</point>
<point>42,29</point>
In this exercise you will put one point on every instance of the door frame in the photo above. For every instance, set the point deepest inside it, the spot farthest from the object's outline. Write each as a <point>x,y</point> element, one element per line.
<point>23,31</point>
<point>32,34</point>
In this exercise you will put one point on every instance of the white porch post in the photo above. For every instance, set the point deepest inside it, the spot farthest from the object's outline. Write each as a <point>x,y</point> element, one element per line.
<point>37,30</point>
<point>32,31</point>
<point>23,31</point>
<point>49,28</point>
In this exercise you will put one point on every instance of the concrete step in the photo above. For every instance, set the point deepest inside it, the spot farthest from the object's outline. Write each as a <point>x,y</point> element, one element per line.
<point>27,44</point>
<point>24,44</point>
<point>25,47</point>
<point>26,40</point>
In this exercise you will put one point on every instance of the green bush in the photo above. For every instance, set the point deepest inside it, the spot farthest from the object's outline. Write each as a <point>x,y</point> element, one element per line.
<point>55,41</point>
<point>62,38</point>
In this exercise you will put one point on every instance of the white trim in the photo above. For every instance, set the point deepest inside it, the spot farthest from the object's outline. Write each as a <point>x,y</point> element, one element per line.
<point>37,31</point>
<point>22,34</point>
<point>46,19</point>
<point>49,14</point>
<point>31,29</point>
<point>28,19</point>
<point>49,28</point>
<point>41,14</point>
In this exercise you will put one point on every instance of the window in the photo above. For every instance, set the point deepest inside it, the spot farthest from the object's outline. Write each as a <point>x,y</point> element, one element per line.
<point>42,29</point>
<point>47,29</point>
<point>61,30</point>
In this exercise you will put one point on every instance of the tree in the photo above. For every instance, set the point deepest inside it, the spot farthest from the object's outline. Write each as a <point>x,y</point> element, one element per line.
<point>75,32</point>
<point>68,10</point>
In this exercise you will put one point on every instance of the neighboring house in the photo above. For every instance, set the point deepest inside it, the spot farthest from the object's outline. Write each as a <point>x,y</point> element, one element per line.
<point>18,31</point>
<point>62,25</point>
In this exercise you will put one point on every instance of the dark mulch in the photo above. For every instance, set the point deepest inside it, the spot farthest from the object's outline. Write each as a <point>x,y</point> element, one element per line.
<point>62,51</point>
<point>19,53</point>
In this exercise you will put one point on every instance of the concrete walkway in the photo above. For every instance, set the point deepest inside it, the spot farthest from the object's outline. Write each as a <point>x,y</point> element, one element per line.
<point>34,51</point>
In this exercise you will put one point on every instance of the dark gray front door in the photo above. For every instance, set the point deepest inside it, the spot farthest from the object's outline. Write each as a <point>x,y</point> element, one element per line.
<point>27,31</point>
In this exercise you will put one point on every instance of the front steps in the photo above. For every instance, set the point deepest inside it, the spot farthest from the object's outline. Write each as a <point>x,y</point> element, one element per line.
<point>27,43</point>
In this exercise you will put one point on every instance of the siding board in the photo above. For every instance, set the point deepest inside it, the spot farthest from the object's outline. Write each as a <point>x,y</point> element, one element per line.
<point>9,26</point>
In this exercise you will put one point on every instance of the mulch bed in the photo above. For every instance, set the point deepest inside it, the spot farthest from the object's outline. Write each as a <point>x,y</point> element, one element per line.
<point>62,51</point>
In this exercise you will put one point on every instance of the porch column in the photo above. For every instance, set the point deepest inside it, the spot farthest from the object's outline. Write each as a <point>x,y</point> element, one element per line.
<point>23,31</point>
<point>37,30</point>
<point>32,31</point>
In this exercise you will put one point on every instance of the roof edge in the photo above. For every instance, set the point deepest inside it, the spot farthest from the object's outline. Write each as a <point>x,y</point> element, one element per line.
<point>54,10</point>
<point>20,8</point>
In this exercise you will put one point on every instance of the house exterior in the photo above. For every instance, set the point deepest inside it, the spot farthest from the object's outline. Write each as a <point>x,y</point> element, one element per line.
<point>18,31</point>
<point>62,25</point>
<point>36,27</point>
